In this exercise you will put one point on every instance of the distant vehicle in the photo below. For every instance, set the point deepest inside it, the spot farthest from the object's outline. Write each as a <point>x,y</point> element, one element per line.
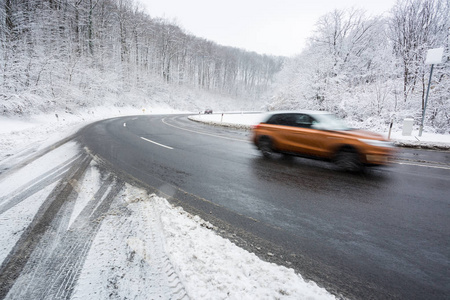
<point>321,135</point>
<point>208,111</point>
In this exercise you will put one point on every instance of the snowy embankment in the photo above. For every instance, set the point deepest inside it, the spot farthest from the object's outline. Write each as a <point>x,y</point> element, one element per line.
<point>245,121</point>
<point>113,240</point>
<point>39,131</point>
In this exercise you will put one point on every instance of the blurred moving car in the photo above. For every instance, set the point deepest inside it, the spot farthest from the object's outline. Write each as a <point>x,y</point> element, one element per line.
<point>208,111</point>
<point>321,135</point>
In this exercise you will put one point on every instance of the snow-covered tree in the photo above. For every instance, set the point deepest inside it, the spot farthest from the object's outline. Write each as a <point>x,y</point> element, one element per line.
<point>371,69</point>
<point>69,52</point>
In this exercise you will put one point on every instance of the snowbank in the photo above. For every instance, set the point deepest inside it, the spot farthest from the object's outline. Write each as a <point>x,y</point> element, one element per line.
<point>39,131</point>
<point>212,267</point>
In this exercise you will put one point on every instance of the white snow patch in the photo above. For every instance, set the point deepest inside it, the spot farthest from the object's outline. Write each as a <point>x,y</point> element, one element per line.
<point>40,131</point>
<point>427,137</point>
<point>90,184</point>
<point>128,258</point>
<point>231,118</point>
<point>12,125</point>
<point>14,221</point>
<point>212,267</point>
<point>59,158</point>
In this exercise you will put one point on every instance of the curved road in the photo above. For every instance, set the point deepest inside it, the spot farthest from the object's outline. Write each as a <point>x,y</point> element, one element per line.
<point>382,234</point>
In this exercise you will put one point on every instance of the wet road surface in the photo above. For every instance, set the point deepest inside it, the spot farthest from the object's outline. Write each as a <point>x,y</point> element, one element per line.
<point>381,234</point>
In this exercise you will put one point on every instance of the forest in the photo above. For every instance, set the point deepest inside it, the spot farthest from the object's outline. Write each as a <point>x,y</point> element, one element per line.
<point>71,54</point>
<point>371,69</point>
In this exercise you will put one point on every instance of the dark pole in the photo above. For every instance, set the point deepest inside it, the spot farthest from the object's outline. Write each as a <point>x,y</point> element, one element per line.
<point>426,100</point>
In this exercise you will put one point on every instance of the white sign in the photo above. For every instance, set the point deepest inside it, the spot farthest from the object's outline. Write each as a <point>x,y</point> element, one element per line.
<point>434,56</point>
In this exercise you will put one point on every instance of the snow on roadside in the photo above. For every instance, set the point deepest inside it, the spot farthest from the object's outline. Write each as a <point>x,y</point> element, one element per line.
<point>14,221</point>
<point>90,184</point>
<point>429,140</point>
<point>39,131</point>
<point>34,172</point>
<point>128,258</point>
<point>212,267</point>
<point>232,118</point>
<point>235,120</point>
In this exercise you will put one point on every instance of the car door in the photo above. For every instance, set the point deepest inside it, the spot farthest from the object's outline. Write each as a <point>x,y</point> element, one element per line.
<point>282,129</point>
<point>304,136</point>
<point>293,132</point>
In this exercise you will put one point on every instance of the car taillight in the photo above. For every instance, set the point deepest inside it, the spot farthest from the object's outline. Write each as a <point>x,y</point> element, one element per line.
<point>255,126</point>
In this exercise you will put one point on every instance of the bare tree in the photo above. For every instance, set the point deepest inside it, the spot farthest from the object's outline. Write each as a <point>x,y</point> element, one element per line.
<point>415,26</point>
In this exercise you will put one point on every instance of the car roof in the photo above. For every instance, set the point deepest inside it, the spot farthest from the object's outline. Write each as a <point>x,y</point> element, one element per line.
<point>308,112</point>
<point>301,111</point>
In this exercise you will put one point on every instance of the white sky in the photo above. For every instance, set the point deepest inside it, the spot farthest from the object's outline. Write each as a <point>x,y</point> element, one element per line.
<point>278,27</point>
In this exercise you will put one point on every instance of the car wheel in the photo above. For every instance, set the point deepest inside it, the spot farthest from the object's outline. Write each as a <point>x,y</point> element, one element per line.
<point>265,145</point>
<point>347,159</point>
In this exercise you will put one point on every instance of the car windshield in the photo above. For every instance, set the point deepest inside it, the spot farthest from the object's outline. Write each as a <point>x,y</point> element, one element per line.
<point>330,122</point>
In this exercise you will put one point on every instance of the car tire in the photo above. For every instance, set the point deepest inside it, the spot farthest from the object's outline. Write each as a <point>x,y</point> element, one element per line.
<point>266,147</point>
<point>347,159</point>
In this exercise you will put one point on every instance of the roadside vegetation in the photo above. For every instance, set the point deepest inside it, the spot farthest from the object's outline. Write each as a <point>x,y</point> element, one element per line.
<point>64,56</point>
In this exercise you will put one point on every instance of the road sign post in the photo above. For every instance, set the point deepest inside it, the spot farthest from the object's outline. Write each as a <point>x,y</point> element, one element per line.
<point>434,56</point>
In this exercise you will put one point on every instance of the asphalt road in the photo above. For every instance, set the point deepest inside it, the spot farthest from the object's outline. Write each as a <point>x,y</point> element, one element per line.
<point>383,234</point>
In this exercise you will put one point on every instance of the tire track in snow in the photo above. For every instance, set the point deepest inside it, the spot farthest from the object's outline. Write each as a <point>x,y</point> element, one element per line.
<point>6,170</point>
<point>128,257</point>
<point>15,262</point>
<point>61,253</point>
<point>42,255</point>
<point>69,256</point>
<point>154,226</point>
<point>47,260</point>
<point>34,186</point>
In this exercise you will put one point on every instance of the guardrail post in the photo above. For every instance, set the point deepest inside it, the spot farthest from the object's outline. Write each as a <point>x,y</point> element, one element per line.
<point>390,129</point>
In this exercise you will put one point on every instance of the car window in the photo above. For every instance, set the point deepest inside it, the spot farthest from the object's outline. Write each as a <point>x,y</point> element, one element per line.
<point>282,119</point>
<point>330,122</point>
<point>295,120</point>
<point>304,121</point>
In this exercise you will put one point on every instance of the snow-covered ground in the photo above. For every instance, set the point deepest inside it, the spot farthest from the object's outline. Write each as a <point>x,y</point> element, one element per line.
<point>141,247</point>
<point>39,131</point>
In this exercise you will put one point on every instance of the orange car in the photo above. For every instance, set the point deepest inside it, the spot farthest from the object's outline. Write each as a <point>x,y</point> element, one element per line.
<point>318,134</point>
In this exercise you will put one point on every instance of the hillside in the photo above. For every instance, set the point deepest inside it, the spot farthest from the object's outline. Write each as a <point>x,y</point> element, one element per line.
<point>63,55</point>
